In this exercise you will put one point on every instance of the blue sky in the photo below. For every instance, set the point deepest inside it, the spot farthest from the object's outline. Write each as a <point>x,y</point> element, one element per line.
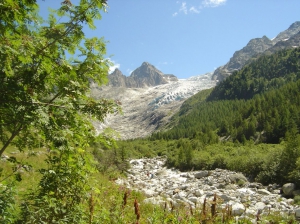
<point>185,38</point>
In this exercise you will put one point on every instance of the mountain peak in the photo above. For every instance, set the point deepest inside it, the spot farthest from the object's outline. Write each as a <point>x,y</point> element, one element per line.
<point>117,78</point>
<point>144,76</point>
<point>295,25</point>
<point>145,63</point>
<point>286,34</point>
<point>257,46</point>
<point>116,72</point>
<point>147,75</point>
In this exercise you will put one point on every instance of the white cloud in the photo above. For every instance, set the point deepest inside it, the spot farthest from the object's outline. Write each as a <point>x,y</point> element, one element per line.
<point>183,8</point>
<point>129,71</point>
<point>213,3</point>
<point>163,63</point>
<point>194,10</point>
<point>113,67</point>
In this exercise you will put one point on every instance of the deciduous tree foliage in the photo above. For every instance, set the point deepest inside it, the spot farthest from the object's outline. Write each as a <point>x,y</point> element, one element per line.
<point>46,69</point>
<point>45,75</point>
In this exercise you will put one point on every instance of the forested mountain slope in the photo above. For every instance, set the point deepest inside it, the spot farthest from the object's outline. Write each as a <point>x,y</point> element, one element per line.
<point>261,102</point>
<point>263,74</point>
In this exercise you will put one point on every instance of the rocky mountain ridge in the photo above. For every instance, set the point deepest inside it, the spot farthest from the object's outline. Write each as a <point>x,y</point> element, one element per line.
<point>285,39</point>
<point>144,76</point>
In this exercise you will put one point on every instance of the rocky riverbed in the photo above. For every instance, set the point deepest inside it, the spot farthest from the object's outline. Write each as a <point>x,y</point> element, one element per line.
<point>246,199</point>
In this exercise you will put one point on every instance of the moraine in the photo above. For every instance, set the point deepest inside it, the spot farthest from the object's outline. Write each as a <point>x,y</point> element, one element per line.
<point>246,199</point>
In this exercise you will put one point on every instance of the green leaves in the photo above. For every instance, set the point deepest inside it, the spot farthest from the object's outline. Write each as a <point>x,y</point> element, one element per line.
<point>7,203</point>
<point>45,100</point>
<point>38,82</point>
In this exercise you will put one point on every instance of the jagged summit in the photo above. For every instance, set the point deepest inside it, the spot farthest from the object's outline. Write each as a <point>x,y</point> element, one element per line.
<point>258,46</point>
<point>295,25</point>
<point>146,64</point>
<point>146,69</point>
<point>291,31</point>
<point>117,72</point>
<point>254,46</point>
<point>147,75</point>
<point>144,76</point>
<point>117,78</point>
<point>240,57</point>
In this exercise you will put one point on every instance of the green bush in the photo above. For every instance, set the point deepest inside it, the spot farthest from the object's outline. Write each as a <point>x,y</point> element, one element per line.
<point>297,200</point>
<point>7,203</point>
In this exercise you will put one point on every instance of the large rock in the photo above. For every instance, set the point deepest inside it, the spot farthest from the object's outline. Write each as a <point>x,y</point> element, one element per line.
<point>288,189</point>
<point>199,192</point>
<point>264,191</point>
<point>260,206</point>
<point>201,174</point>
<point>194,199</point>
<point>238,178</point>
<point>297,213</point>
<point>238,209</point>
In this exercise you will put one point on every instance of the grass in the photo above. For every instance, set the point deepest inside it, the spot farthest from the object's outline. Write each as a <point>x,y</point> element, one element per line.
<point>23,164</point>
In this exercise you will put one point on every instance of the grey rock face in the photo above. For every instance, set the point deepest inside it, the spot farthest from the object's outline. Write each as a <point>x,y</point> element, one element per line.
<point>201,174</point>
<point>147,75</point>
<point>144,76</point>
<point>183,188</point>
<point>289,43</point>
<point>288,189</point>
<point>238,209</point>
<point>238,178</point>
<point>254,46</point>
<point>117,79</point>
<point>291,31</point>
<point>286,39</point>
<point>297,213</point>
<point>240,57</point>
